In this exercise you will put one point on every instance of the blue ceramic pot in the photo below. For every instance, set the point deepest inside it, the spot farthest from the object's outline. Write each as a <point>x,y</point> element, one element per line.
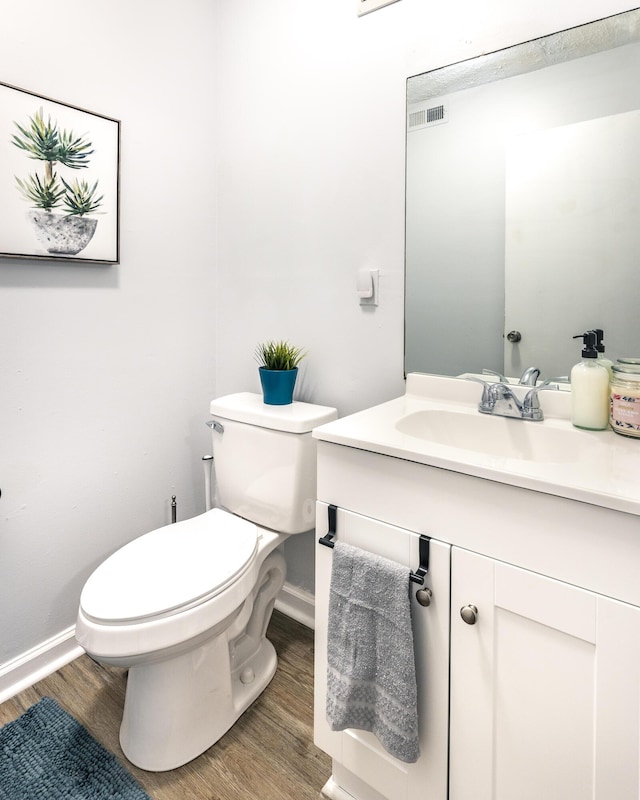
<point>277,385</point>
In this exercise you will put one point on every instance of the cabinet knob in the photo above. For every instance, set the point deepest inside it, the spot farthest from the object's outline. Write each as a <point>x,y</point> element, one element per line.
<point>423,596</point>
<point>469,614</point>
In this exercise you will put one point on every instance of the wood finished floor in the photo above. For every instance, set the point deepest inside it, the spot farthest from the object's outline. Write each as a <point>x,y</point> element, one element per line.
<point>268,754</point>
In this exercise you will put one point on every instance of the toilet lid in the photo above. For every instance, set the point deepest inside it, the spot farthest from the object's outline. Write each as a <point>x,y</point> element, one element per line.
<point>171,568</point>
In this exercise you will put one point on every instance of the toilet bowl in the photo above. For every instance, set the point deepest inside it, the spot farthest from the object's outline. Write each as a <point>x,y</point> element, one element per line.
<point>185,608</point>
<point>196,652</point>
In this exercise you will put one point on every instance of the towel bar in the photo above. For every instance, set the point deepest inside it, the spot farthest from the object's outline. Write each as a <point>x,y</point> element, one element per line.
<point>415,577</point>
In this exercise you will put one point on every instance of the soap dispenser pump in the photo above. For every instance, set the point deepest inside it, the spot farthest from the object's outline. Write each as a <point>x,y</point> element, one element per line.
<point>589,388</point>
<point>602,359</point>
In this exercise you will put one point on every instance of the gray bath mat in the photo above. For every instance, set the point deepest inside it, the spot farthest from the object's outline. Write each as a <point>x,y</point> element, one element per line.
<point>46,753</point>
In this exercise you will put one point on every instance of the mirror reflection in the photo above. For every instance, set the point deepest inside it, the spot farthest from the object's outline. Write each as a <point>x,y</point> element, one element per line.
<point>523,204</point>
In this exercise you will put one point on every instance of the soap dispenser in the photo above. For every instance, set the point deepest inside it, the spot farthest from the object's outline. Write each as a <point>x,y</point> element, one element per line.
<point>589,388</point>
<point>602,359</point>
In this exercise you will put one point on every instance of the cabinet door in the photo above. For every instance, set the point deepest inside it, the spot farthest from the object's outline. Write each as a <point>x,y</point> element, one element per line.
<point>545,688</point>
<point>361,767</point>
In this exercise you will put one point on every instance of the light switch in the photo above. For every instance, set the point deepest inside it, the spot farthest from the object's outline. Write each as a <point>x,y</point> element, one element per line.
<point>367,286</point>
<point>365,6</point>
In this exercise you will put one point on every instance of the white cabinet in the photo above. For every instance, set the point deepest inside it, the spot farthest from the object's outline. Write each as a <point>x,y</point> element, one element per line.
<point>544,693</point>
<point>362,768</point>
<point>545,687</point>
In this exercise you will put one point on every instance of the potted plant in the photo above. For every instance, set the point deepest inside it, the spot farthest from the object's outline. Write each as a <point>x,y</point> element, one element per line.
<point>278,370</point>
<point>44,141</point>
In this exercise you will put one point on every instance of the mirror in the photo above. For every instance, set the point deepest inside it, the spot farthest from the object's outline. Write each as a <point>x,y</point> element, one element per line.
<point>523,204</point>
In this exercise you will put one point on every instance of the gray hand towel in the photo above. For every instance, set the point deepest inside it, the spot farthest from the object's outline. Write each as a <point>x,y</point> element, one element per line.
<point>371,675</point>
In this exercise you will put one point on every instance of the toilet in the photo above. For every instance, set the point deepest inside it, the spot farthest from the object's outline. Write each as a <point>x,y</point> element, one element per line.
<point>185,608</point>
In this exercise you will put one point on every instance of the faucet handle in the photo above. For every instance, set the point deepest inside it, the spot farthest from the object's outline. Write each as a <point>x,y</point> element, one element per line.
<point>498,375</point>
<point>486,404</point>
<point>531,404</point>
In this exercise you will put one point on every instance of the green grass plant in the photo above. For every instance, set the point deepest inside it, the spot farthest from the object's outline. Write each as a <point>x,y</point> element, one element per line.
<point>279,355</point>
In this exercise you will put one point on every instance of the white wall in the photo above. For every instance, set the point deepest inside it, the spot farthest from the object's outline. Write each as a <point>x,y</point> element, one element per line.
<point>106,372</point>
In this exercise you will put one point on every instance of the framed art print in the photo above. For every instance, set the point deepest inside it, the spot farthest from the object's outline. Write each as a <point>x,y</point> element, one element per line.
<point>59,180</point>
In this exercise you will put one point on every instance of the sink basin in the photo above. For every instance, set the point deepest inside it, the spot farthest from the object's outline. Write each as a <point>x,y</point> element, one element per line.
<point>498,436</point>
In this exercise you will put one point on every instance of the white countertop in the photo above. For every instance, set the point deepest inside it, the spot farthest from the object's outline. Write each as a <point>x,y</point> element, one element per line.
<point>606,473</point>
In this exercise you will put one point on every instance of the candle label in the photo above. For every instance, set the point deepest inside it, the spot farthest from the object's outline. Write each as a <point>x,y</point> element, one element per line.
<point>625,414</point>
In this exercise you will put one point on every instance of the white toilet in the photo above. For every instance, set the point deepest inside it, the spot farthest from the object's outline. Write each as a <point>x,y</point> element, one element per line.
<point>186,607</point>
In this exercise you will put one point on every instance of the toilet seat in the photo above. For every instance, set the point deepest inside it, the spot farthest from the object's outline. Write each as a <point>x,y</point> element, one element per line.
<point>170,569</point>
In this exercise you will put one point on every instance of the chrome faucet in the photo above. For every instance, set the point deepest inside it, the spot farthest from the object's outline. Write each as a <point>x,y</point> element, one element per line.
<point>529,377</point>
<point>500,400</point>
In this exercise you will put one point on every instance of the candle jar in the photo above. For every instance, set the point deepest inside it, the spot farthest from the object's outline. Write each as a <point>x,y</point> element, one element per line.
<point>625,399</point>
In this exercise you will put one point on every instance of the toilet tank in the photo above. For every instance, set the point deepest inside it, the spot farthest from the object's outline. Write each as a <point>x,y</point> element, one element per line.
<point>265,460</point>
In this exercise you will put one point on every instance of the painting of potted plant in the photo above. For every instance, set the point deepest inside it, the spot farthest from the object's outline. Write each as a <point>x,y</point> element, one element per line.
<point>278,370</point>
<point>70,189</point>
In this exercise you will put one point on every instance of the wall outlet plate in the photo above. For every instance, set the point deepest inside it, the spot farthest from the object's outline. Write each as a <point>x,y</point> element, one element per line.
<point>365,6</point>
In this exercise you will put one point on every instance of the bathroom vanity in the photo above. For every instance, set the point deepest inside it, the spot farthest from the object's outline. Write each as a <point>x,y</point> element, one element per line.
<point>528,654</point>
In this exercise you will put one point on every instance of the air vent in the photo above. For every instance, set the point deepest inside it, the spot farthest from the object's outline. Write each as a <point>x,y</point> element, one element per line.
<point>427,117</point>
<point>435,114</point>
<point>417,118</point>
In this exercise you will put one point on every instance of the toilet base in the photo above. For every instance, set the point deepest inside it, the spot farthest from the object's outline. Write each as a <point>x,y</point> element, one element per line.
<point>196,711</point>
<point>175,709</point>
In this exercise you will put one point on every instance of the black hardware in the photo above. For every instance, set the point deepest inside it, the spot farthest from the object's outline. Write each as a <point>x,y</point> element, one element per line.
<point>415,577</point>
<point>333,520</point>
<point>418,575</point>
<point>174,509</point>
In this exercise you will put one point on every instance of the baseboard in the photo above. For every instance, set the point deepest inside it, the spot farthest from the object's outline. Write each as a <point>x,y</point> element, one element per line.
<point>46,658</point>
<point>37,663</point>
<point>297,603</point>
